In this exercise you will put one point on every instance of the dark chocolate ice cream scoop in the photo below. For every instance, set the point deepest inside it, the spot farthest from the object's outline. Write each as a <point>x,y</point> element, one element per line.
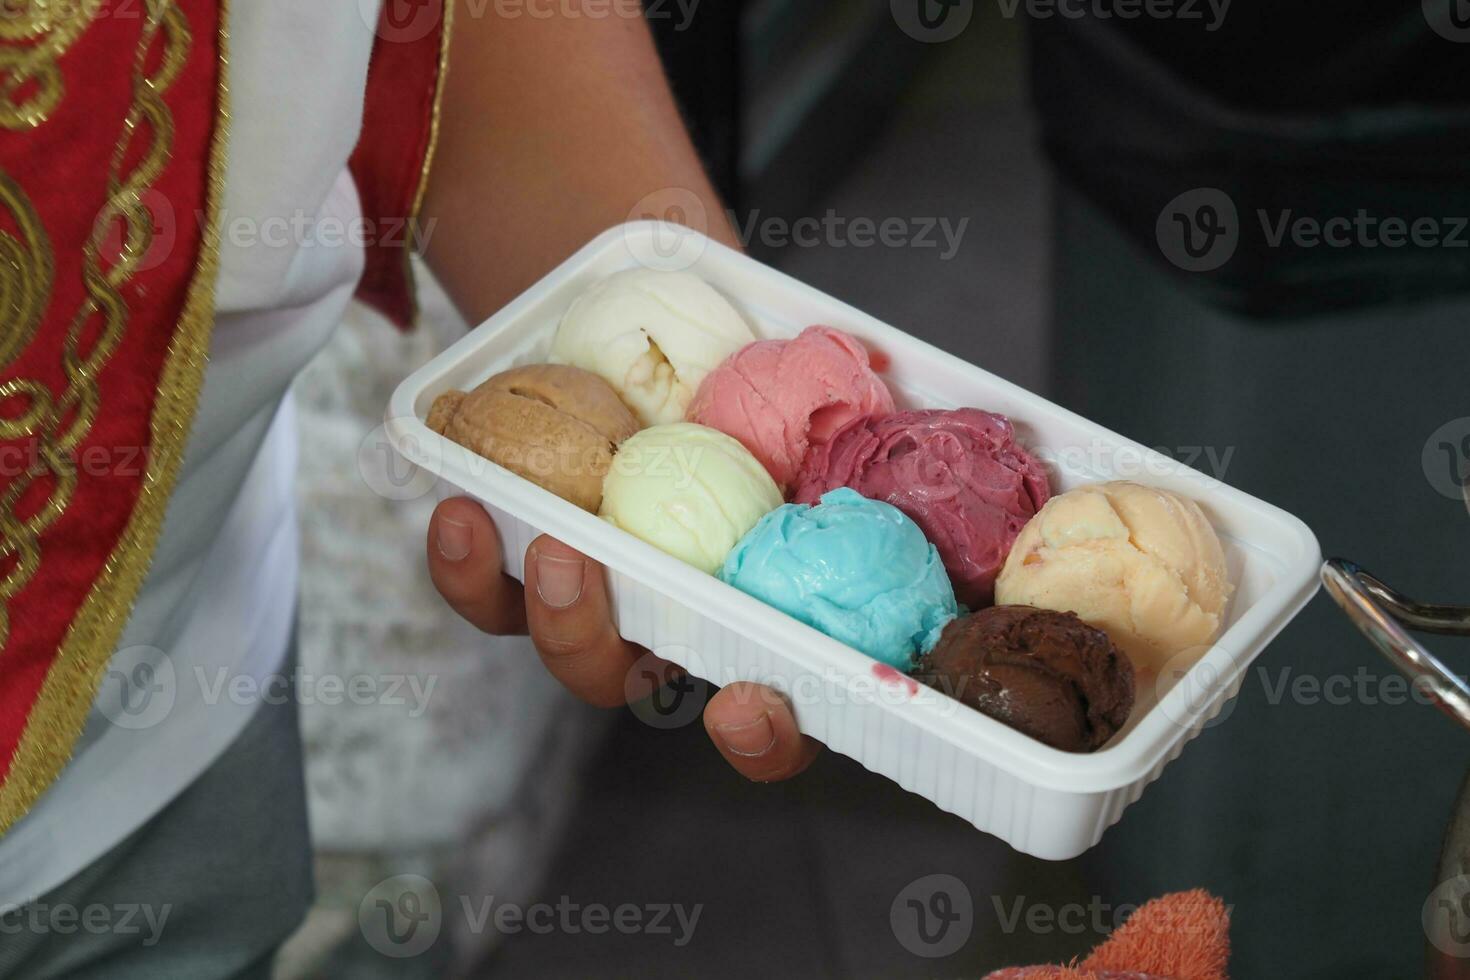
<point>1045,673</point>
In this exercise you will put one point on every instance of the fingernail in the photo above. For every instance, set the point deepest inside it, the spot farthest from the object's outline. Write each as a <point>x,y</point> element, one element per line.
<point>559,580</point>
<point>750,739</point>
<point>454,539</point>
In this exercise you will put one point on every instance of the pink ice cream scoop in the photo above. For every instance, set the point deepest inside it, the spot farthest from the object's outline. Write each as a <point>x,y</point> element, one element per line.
<point>781,397</point>
<point>959,474</point>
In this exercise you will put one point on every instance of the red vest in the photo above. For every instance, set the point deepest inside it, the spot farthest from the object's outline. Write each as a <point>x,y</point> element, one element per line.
<point>114,118</point>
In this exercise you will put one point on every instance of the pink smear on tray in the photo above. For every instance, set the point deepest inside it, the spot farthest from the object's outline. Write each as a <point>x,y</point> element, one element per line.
<point>891,675</point>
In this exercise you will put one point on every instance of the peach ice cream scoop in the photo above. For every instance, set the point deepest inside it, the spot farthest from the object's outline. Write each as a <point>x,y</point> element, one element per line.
<point>555,425</point>
<point>1142,564</point>
<point>781,397</point>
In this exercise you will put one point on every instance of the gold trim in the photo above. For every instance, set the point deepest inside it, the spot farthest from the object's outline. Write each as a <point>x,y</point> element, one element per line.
<point>71,684</point>
<point>444,39</point>
<point>411,244</point>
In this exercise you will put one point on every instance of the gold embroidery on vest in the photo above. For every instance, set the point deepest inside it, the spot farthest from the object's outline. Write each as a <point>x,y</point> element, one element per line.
<point>26,269</point>
<point>59,427</point>
<point>36,34</point>
<point>71,684</point>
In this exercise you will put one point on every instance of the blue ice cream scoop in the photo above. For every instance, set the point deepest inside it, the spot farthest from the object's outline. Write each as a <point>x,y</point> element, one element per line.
<point>856,569</point>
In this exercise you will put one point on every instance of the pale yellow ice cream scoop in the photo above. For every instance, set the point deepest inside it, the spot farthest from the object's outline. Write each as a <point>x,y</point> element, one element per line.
<point>1142,564</point>
<point>555,425</point>
<point>653,335</point>
<point>688,490</point>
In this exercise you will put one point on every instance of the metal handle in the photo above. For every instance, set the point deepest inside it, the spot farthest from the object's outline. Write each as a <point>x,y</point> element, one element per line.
<point>1377,611</point>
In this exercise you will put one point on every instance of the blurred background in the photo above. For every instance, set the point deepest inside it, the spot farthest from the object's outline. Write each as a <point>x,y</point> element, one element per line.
<point>1320,825</point>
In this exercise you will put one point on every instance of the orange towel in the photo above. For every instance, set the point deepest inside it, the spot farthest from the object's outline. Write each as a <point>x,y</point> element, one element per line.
<point>1185,936</point>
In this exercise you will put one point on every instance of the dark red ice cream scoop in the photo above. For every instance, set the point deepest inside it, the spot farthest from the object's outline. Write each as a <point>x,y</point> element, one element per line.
<point>1045,673</point>
<point>958,473</point>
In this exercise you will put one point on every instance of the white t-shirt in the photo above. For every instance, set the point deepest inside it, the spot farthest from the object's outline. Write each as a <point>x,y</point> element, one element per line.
<point>213,619</point>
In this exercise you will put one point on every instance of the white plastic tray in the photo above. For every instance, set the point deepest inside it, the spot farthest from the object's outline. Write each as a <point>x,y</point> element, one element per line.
<point>1040,800</point>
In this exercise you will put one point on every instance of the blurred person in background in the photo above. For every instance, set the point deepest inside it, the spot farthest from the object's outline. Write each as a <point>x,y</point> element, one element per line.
<point>1260,247</point>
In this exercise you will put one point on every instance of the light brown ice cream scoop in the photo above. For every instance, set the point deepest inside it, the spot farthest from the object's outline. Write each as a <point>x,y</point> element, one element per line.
<point>557,426</point>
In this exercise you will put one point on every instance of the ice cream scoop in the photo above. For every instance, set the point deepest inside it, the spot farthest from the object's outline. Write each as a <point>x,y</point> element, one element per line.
<point>854,568</point>
<point>960,474</point>
<point>780,397</point>
<point>555,425</point>
<point>1044,673</point>
<point>653,336</point>
<point>1140,563</point>
<point>688,490</point>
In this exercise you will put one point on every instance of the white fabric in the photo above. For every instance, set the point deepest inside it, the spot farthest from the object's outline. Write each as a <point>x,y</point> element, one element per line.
<point>451,715</point>
<point>471,722</point>
<point>218,601</point>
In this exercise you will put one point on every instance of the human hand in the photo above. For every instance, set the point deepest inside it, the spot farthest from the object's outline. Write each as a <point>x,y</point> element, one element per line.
<point>565,608</point>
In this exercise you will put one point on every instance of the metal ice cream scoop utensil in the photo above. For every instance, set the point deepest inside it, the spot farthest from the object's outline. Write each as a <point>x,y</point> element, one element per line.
<point>1382,614</point>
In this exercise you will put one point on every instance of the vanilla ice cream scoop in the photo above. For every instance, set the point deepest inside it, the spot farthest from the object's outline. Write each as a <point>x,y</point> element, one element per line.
<point>1142,564</point>
<point>653,336</point>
